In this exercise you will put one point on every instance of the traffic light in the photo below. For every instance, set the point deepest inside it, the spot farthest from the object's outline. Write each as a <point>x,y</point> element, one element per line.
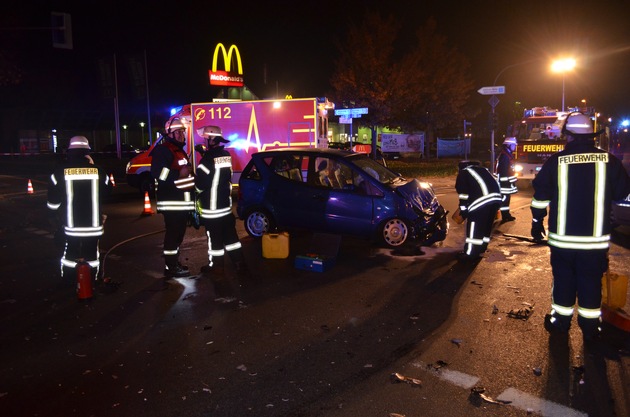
<point>61,26</point>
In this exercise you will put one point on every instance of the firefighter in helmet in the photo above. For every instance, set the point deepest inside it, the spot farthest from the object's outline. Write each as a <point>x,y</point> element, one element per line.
<point>174,187</point>
<point>507,177</point>
<point>213,183</point>
<point>576,187</point>
<point>479,200</point>
<point>76,191</point>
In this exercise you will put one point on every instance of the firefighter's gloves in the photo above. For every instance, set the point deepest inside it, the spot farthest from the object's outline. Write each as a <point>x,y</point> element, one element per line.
<point>538,230</point>
<point>201,149</point>
<point>89,158</point>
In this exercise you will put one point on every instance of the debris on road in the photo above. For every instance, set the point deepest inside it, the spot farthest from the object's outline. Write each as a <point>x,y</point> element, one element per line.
<point>409,380</point>
<point>457,342</point>
<point>479,392</point>
<point>439,364</point>
<point>522,313</point>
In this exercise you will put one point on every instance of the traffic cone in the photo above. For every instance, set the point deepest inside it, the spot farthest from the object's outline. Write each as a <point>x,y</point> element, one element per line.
<point>111,179</point>
<point>30,187</point>
<point>147,205</point>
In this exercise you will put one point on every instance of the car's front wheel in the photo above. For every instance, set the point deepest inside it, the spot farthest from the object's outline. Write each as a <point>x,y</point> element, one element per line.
<point>258,222</point>
<point>395,232</point>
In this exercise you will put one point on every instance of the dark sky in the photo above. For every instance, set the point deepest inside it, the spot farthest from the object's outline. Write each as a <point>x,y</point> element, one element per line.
<point>288,46</point>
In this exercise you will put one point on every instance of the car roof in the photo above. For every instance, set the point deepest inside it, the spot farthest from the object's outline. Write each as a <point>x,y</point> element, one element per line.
<point>305,151</point>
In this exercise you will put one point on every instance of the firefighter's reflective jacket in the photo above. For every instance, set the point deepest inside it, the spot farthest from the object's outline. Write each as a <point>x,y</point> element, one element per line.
<point>505,172</point>
<point>174,184</point>
<point>578,185</point>
<point>476,188</point>
<point>76,190</point>
<point>213,183</point>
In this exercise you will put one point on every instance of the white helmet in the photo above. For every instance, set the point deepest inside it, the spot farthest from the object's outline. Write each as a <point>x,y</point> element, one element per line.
<point>578,124</point>
<point>174,124</point>
<point>510,141</point>
<point>79,142</point>
<point>209,131</point>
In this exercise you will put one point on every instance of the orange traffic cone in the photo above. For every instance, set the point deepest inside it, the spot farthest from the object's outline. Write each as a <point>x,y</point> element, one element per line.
<point>147,205</point>
<point>111,179</point>
<point>30,187</point>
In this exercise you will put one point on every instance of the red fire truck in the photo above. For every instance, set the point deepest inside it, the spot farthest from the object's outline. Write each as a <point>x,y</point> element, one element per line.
<point>250,126</point>
<point>539,136</point>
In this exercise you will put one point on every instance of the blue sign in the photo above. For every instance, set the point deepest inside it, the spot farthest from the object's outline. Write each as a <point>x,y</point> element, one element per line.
<point>354,113</point>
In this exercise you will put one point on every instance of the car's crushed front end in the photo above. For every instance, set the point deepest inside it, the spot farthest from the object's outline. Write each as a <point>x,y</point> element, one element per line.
<point>430,224</point>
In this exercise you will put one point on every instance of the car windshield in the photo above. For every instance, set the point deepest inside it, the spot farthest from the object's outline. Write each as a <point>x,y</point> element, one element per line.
<point>376,170</point>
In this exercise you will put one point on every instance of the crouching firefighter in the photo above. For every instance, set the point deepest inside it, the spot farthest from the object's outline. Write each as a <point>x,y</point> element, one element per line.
<point>76,192</point>
<point>479,201</point>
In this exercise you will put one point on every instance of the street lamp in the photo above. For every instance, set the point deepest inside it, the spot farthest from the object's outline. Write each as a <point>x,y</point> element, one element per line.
<point>142,129</point>
<point>125,129</point>
<point>562,66</point>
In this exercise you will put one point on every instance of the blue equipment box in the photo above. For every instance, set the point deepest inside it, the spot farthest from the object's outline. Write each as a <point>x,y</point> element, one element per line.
<point>314,263</point>
<point>321,254</point>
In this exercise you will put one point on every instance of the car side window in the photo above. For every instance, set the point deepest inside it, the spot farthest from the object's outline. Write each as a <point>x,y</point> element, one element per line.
<point>251,172</point>
<point>287,166</point>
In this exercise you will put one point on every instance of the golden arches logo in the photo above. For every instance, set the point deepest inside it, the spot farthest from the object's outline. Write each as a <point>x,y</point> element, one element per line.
<point>227,57</point>
<point>226,78</point>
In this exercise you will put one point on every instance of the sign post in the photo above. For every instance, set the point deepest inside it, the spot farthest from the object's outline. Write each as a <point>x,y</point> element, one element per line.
<point>487,91</point>
<point>346,116</point>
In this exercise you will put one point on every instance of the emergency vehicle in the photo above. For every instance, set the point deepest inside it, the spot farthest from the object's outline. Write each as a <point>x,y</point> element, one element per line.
<point>249,126</point>
<point>538,134</point>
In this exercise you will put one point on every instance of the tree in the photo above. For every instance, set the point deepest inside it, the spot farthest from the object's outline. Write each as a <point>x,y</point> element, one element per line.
<point>365,67</point>
<point>424,86</point>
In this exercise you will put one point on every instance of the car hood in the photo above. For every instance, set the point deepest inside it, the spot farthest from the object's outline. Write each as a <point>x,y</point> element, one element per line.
<point>419,193</point>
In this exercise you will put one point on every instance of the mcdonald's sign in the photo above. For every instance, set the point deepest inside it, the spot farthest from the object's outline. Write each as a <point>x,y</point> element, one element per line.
<point>228,77</point>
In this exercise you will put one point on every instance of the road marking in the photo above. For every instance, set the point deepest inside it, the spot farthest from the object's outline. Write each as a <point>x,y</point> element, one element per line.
<point>530,403</point>
<point>518,399</point>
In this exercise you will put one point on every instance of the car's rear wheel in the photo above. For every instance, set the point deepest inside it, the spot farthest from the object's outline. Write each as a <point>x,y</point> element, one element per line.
<point>258,222</point>
<point>394,232</point>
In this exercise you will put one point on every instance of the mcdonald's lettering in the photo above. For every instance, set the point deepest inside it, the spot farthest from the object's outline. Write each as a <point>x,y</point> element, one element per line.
<point>227,77</point>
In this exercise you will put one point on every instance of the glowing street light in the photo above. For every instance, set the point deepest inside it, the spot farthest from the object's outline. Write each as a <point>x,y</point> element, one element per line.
<point>142,128</point>
<point>562,66</point>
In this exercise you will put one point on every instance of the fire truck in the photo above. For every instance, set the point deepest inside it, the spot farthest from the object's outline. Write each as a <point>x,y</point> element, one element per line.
<point>538,134</point>
<point>249,126</point>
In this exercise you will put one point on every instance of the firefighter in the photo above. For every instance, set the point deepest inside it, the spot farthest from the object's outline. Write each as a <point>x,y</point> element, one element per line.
<point>576,187</point>
<point>507,177</point>
<point>76,191</point>
<point>479,200</point>
<point>214,204</point>
<point>174,187</point>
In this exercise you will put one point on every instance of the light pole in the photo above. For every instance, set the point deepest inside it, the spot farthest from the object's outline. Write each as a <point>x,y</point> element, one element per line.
<point>563,66</point>
<point>142,130</point>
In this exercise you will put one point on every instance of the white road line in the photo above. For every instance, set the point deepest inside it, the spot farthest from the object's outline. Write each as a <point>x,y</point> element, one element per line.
<point>545,408</point>
<point>518,399</point>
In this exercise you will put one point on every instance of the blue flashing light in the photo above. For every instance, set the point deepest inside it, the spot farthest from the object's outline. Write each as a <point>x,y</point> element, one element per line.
<point>625,123</point>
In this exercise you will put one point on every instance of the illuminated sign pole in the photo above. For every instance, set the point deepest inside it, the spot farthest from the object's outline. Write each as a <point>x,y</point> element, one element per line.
<point>486,91</point>
<point>346,116</point>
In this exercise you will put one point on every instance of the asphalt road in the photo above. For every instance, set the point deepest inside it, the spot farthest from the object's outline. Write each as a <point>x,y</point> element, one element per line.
<point>382,333</point>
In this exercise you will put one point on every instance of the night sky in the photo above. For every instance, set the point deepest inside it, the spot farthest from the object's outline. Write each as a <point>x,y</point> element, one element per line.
<point>287,47</point>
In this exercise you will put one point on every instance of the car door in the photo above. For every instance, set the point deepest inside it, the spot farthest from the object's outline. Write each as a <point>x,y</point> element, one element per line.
<point>349,208</point>
<point>297,202</point>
